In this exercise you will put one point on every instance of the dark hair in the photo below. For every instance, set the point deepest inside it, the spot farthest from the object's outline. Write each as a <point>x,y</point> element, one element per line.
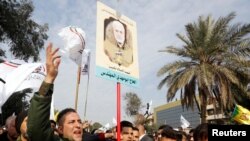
<point>135,128</point>
<point>125,123</point>
<point>169,133</point>
<point>19,120</point>
<point>191,131</point>
<point>165,126</point>
<point>52,121</point>
<point>61,115</point>
<point>181,135</point>
<point>201,132</point>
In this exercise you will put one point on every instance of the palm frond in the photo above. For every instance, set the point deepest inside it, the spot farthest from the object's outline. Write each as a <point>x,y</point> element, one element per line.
<point>189,94</point>
<point>184,39</point>
<point>230,75</point>
<point>174,67</point>
<point>163,81</point>
<point>179,81</point>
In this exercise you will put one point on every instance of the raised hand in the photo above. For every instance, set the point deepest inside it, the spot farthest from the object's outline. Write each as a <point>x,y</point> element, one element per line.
<point>52,63</point>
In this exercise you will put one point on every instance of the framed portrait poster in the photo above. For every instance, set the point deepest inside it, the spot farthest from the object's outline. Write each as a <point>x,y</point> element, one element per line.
<point>116,47</point>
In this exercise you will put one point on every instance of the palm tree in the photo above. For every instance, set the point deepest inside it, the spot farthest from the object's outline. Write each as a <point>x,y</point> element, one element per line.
<point>215,64</point>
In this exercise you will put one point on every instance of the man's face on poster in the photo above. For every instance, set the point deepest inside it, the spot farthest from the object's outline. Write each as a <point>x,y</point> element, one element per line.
<point>119,33</point>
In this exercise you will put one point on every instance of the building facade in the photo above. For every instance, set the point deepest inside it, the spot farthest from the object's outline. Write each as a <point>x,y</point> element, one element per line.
<point>170,114</point>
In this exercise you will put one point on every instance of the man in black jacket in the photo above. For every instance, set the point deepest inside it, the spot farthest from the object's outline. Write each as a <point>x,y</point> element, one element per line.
<point>142,133</point>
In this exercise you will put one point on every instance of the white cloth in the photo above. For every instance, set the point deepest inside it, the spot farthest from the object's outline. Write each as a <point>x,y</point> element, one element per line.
<point>74,41</point>
<point>85,62</point>
<point>34,80</point>
<point>15,78</point>
<point>184,122</point>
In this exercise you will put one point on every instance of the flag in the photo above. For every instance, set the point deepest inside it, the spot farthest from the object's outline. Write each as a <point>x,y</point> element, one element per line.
<point>85,62</point>
<point>184,122</point>
<point>241,115</point>
<point>34,80</point>
<point>74,41</point>
<point>15,77</point>
<point>5,68</point>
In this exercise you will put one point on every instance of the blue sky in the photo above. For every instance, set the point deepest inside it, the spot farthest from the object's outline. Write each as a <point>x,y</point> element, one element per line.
<point>158,21</point>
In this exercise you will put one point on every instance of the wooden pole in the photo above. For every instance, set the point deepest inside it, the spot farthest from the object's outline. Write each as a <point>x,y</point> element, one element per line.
<point>86,98</point>
<point>77,85</point>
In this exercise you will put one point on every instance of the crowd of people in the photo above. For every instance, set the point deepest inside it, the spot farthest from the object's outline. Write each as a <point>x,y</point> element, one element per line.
<point>35,125</point>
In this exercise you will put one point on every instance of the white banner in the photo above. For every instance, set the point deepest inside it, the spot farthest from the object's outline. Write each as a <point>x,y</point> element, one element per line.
<point>18,77</point>
<point>5,68</point>
<point>34,80</point>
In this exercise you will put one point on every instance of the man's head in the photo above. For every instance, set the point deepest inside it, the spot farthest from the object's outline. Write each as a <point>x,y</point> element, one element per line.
<point>21,124</point>
<point>160,129</point>
<point>169,135</point>
<point>119,32</point>
<point>69,124</point>
<point>11,128</point>
<point>52,124</point>
<point>191,135</point>
<point>126,131</point>
<point>201,132</point>
<point>141,128</point>
<point>135,134</point>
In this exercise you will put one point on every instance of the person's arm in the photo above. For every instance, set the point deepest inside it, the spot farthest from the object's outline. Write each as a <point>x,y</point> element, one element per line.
<point>39,128</point>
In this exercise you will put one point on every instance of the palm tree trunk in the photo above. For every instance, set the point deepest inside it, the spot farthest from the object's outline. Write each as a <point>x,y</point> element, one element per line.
<point>203,105</point>
<point>204,110</point>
